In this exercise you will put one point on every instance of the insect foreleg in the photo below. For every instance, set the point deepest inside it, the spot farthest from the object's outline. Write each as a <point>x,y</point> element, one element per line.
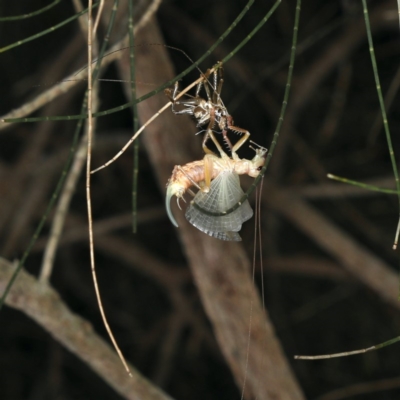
<point>171,94</point>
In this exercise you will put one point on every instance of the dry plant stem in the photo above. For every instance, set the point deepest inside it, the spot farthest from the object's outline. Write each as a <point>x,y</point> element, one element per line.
<point>76,77</point>
<point>98,16</point>
<point>60,88</point>
<point>69,186</point>
<point>89,155</point>
<point>91,34</point>
<point>360,262</point>
<point>43,305</point>
<point>62,209</point>
<point>221,269</point>
<point>337,355</point>
<point>65,197</point>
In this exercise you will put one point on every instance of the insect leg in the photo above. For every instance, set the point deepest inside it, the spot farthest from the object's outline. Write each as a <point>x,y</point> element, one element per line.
<point>218,87</point>
<point>207,84</point>
<point>241,141</point>
<point>225,135</point>
<point>209,132</point>
<point>171,94</point>
<point>198,88</point>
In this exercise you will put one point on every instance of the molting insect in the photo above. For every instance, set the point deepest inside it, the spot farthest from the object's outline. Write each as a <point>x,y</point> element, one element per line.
<point>219,189</point>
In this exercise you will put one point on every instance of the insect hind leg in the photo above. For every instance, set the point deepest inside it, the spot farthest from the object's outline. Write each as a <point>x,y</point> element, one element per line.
<point>241,141</point>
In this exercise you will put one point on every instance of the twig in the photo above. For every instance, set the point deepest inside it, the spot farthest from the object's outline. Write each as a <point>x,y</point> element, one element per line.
<point>62,209</point>
<point>43,305</point>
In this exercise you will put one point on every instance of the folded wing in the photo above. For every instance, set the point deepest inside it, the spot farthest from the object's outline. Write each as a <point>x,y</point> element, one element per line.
<point>225,192</point>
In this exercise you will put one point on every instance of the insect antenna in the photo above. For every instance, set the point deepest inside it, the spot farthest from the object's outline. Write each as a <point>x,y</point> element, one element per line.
<point>259,147</point>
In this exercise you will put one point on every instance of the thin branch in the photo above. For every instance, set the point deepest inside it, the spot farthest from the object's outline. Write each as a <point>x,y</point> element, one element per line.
<point>44,305</point>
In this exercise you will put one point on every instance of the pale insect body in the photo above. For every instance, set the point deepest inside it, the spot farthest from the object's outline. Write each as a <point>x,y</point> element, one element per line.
<point>216,177</point>
<point>219,189</point>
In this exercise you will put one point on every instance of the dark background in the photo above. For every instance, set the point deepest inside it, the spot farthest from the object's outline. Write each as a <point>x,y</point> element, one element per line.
<point>316,305</point>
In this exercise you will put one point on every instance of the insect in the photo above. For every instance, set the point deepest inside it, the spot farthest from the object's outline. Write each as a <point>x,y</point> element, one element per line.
<point>208,112</point>
<point>217,179</point>
<point>211,111</point>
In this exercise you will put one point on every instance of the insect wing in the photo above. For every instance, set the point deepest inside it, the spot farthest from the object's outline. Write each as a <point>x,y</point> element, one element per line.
<point>228,236</point>
<point>225,192</point>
